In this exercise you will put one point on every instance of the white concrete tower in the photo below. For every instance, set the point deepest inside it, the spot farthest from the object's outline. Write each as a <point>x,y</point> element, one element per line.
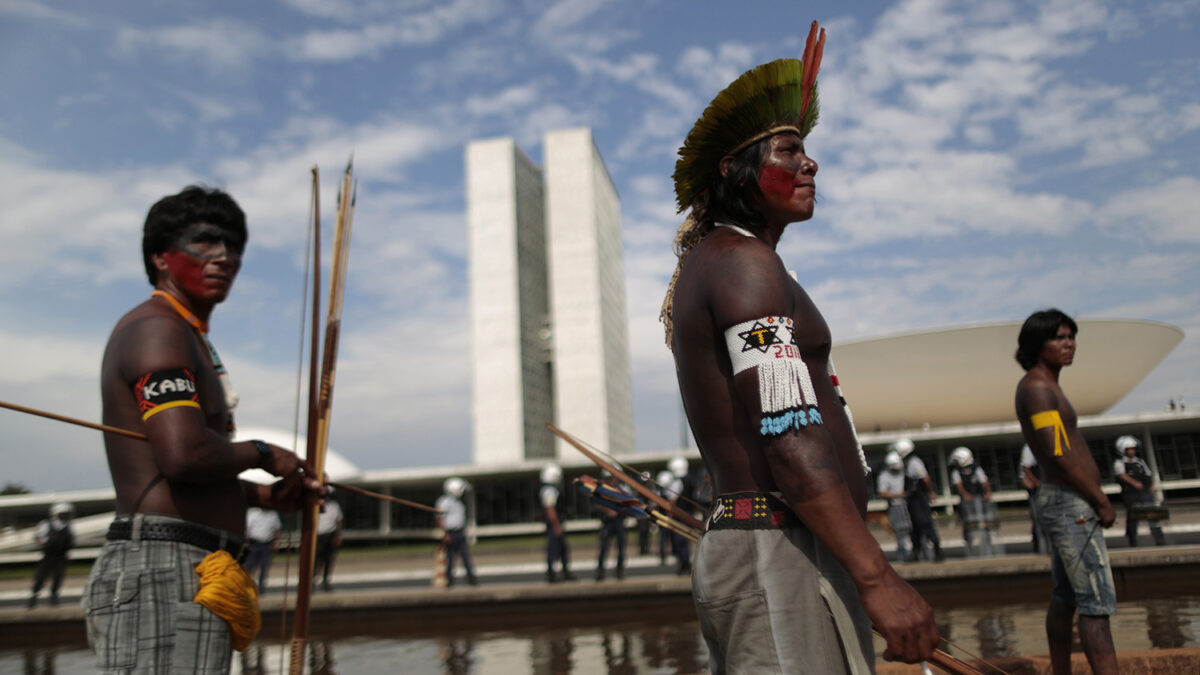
<point>511,392</point>
<point>592,378</point>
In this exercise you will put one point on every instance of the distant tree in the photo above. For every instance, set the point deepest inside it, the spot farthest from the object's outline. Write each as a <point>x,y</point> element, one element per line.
<point>14,489</point>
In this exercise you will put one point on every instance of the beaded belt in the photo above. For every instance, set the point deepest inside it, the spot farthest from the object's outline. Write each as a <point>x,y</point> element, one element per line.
<point>751,511</point>
<point>199,536</point>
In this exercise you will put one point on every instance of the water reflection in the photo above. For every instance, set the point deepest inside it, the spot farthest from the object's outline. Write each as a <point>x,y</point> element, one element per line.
<point>320,658</point>
<point>995,633</point>
<point>39,662</point>
<point>1165,625</point>
<point>455,654</point>
<point>551,657</point>
<point>656,642</point>
<point>618,653</point>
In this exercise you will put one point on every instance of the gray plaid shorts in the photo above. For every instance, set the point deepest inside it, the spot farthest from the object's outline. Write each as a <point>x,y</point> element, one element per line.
<point>140,614</point>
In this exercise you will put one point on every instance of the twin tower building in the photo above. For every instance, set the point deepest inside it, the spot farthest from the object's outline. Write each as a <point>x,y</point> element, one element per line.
<point>550,342</point>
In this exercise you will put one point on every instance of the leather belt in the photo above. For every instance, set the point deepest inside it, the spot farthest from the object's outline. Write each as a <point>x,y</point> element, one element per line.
<point>751,511</point>
<point>183,533</point>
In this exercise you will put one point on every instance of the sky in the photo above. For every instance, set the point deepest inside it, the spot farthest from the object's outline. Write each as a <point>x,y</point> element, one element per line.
<point>978,161</point>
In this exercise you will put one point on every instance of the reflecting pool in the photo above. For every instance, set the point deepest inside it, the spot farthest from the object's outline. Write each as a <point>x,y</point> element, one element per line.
<point>657,640</point>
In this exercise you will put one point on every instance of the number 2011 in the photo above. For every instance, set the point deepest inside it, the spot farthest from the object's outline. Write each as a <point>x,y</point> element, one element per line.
<point>786,352</point>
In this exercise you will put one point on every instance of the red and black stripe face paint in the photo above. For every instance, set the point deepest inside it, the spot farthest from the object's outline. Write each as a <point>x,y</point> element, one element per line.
<point>204,261</point>
<point>786,180</point>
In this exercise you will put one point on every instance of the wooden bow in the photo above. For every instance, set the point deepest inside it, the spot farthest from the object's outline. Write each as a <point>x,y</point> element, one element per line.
<point>666,506</point>
<point>320,395</point>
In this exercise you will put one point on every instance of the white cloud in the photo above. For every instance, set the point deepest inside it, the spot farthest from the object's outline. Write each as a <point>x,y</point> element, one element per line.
<point>1165,213</point>
<point>222,44</point>
<point>103,209</point>
<point>573,27</point>
<point>378,30</point>
<point>31,9</point>
<point>713,70</point>
<point>505,102</point>
<point>272,183</point>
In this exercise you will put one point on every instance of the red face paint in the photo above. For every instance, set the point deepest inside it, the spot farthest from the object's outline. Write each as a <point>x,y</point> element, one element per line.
<point>776,180</point>
<point>785,181</point>
<point>202,264</point>
<point>188,272</point>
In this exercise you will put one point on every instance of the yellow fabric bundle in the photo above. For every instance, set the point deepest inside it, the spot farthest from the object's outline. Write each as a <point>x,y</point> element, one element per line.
<point>230,593</point>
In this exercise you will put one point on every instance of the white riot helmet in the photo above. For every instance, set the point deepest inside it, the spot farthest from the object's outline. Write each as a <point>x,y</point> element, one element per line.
<point>961,456</point>
<point>61,509</point>
<point>902,447</point>
<point>664,478</point>
<point>551,473</point>
<point>1126,442</point>
<point>678,466</point>
<point>893,461</point>
<point>454,486</point>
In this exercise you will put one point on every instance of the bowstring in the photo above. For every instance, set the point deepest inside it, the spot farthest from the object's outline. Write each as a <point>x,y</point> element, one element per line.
<point>308,255</point>
<point>976,657</point>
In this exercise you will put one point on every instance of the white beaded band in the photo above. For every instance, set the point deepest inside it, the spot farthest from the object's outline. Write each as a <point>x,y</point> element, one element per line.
<point>785,387</point>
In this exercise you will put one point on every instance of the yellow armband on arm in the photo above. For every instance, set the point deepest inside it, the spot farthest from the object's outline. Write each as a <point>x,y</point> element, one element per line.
<point>1051,418</point>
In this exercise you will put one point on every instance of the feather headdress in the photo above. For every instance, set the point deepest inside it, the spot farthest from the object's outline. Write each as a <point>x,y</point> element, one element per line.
<point>766,100</point>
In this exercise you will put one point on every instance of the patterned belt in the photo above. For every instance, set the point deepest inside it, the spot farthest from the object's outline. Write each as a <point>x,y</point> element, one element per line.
<point>751,511</point>
<point>199,536</point>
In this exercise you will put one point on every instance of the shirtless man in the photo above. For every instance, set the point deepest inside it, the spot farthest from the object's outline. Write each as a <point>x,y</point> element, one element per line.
<point>787,577</point>
<point>1071,505</point>
<point>179,498</point>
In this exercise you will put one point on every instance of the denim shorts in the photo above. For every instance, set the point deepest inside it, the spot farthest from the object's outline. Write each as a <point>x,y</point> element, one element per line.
<point>1080,568</point>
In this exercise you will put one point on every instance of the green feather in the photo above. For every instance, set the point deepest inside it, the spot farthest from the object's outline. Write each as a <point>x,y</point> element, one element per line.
<point>765,97</point>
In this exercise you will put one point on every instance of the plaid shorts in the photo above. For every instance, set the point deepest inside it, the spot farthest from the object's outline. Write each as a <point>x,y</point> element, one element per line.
<point>140,614</point>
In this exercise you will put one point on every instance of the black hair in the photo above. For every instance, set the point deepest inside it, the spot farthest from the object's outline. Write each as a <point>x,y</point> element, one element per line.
<point>1037,329</point>
<point>171,215</point>
<point>736,196</point>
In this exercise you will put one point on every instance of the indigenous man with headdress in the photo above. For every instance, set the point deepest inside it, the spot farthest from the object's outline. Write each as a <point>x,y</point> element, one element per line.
<point>787,578</point>
<point>166,594</point>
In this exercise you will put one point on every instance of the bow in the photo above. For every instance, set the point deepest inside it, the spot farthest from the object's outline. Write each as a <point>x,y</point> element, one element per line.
<point>320,395</point>
<point>674,511</point>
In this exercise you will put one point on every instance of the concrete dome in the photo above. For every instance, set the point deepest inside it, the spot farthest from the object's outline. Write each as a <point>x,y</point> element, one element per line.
<point>967,375</point>
<point>337,467</point>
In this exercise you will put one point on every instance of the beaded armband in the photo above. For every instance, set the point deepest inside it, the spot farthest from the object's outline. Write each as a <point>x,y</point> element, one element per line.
<point>784,386</point>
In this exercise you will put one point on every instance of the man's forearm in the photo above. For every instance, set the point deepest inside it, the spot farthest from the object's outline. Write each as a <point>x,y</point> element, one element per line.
<point>210,459</point>
<point>833,518</point>
<point>810,478</point>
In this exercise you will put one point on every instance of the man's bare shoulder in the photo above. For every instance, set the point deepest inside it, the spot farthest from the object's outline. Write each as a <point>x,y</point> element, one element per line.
<point>727,268</point>
<point>732,248</point>
<point>151,335</point>
<point>1037,388</point>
